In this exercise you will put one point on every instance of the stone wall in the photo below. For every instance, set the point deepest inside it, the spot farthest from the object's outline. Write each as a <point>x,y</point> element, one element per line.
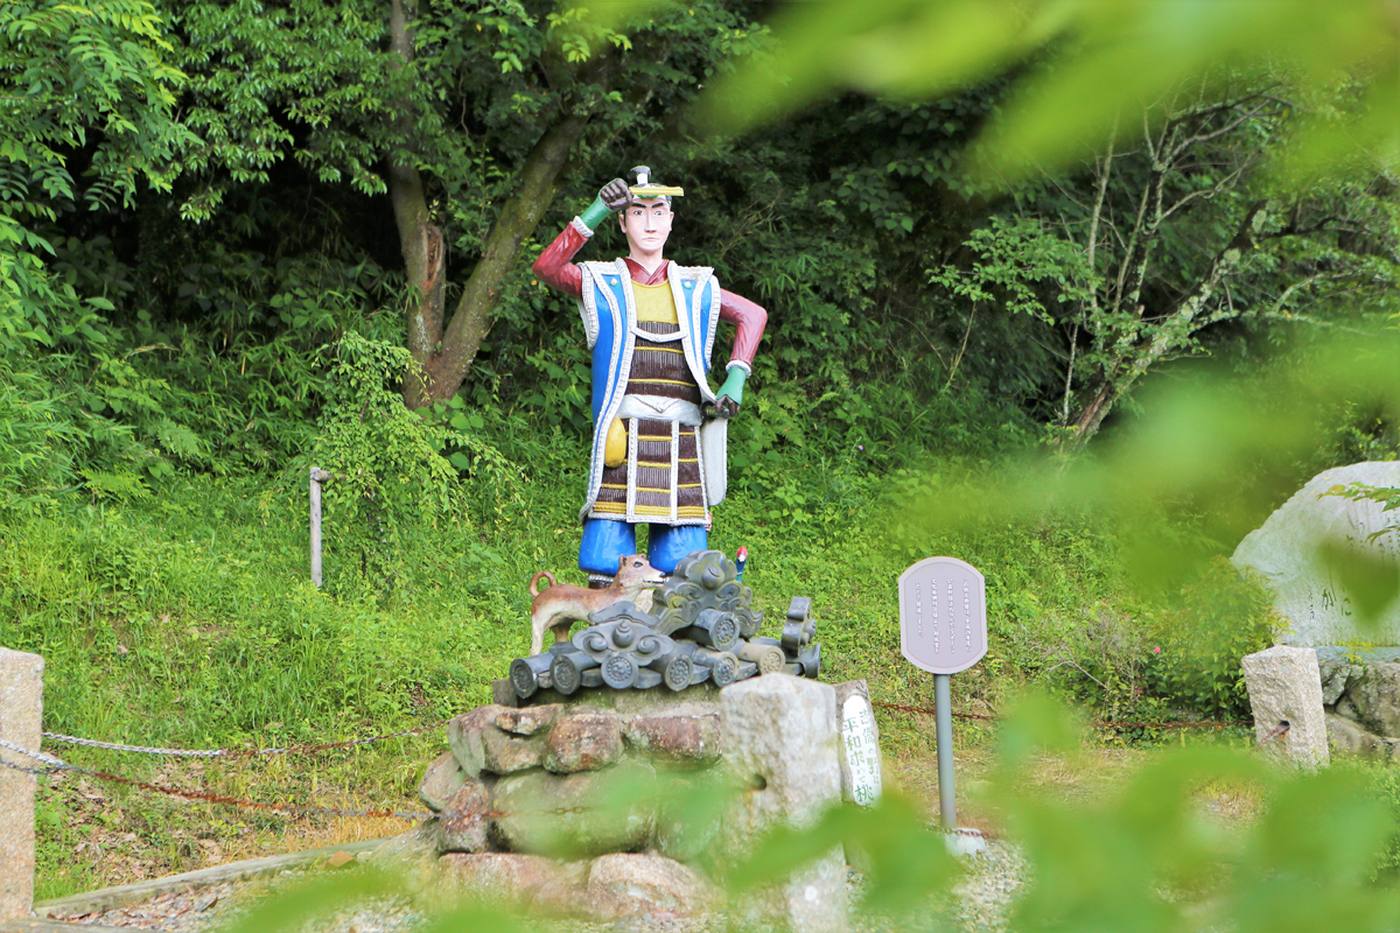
<point>1361,697</point>
<point>613,803</point>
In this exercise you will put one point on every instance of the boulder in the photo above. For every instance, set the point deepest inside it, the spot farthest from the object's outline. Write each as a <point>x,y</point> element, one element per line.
<point>480,745</point>
<point>1375,695</point>
<point>646,885</point>
<point>585,813</point>
<point>690,807</point>
<point>1285,551</point>
<point>1349,738</point>
<point>464,824</point>
<point>464,737</point>
<point>530,880</point>
<point>443,778</point>
<point>1336,671</point>
<point>584,741</point>
<point>683,735</point>
<point>528,720</point>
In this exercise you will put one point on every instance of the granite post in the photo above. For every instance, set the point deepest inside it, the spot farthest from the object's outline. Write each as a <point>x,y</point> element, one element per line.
<point>781,742</point>
<point>1285,694</point>
<point>21,711</point>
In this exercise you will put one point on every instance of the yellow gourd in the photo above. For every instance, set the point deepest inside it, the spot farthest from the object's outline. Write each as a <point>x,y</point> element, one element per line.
<point>615,447</point>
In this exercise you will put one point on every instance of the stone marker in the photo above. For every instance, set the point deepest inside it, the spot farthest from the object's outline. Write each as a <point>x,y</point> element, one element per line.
<point>780,738</point>
<point>1285,686</point>
<point>860,744</point>
<point>21,722</point>
<point>1284,550</point>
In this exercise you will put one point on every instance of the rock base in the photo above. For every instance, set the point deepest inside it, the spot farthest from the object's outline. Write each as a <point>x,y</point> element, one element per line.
<point>607,805</point>
<point>1361,699</point>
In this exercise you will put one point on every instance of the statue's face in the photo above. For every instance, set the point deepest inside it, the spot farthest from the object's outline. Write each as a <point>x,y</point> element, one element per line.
<point>647,225</point>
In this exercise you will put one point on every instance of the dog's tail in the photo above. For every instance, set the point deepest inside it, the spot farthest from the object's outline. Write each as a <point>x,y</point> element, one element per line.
<point>534,581</point>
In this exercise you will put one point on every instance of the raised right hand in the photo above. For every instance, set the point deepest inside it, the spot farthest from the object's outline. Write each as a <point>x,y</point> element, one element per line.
<point>615,194</point>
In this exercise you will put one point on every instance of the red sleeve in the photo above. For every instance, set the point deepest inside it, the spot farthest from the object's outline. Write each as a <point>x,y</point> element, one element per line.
<point>750,319</point>
<point>553,266</point>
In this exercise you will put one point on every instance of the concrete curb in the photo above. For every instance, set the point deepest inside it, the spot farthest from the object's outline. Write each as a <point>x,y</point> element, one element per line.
<point>127,894</point>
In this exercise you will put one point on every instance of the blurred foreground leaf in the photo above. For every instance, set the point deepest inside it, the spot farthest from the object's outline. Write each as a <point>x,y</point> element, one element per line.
<point>1086,66</point>
<point>1369,578</point>
<point>1219,446</point>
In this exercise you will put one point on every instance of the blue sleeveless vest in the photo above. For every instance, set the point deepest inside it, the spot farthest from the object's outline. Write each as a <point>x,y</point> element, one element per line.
<point>609,311</point>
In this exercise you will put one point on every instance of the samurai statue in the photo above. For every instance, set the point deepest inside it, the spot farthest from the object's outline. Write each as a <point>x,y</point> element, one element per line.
<point>659,427</point>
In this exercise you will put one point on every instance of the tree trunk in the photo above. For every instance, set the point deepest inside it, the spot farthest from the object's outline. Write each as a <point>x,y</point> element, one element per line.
<point>445,351</point>
<point>1173,333</point>
<point>420,240</point>
<point>472,319</point>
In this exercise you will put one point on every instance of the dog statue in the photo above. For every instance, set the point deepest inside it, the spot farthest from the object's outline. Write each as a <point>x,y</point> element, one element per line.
<point>558,606</point>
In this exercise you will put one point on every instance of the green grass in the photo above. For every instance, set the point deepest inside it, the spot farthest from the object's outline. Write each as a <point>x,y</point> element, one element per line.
<point>188,619</point>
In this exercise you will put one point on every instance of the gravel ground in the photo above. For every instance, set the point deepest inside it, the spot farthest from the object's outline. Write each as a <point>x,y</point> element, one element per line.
<point>980,904</point>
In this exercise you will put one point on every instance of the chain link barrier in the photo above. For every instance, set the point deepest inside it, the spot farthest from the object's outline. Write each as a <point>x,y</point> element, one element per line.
<point>305,748</point>
<point>44,763</point>
<point>48,764</point>
<point>1098,723</point>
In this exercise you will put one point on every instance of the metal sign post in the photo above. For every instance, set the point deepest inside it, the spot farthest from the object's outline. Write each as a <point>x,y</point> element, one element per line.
<point>943,630</point>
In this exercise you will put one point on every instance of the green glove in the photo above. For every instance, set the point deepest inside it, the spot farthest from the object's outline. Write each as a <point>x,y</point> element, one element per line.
<point>731,394</point>
<point>595,213</point>
<point>611,197</point>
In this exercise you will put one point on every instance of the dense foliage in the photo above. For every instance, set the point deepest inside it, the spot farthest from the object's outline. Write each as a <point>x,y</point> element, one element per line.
<point>225,193</point>
<point>239,238</point>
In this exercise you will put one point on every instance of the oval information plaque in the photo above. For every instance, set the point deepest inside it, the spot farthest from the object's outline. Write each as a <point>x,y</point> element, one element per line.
<point>942,615</point>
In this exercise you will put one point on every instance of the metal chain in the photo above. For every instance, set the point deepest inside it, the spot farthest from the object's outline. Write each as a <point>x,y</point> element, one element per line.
<point>40,772</point>
<point>50,765</point>
<point>139,749</point>
<point>305,748</point>
<point>1100,723</point>
<point>54,764</point>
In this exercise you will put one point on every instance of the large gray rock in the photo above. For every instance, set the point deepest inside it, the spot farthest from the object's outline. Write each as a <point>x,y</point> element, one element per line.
<point>21,716</point>
<point>583,741</point>
<point>1374,692</point>
<point>1347,737</point>
<point>480,744</point>
<point>529,880</point>
<point>1285,688</point>
<point>464,823</point>
<point>1337,671</point>
<point>780,740</point>
<point>443,778</point>
<point>689,733</point>
<point>643,884</point>
<point>586,813</point>
<point>1285,551</point>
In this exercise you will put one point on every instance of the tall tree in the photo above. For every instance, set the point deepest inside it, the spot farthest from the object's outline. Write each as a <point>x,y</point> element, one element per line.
<point>1171,230</point>
<point>464,115</point>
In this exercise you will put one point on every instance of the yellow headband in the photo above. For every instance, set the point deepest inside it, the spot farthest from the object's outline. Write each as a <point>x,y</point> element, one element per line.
<point>657,191</point>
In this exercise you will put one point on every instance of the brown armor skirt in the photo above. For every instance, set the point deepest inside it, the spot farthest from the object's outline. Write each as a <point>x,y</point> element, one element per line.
<point>660,481</point>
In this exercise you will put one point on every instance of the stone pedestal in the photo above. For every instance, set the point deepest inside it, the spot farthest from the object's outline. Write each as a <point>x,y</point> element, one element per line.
<point>1285,687</point>
<point>604,804</point>
<point>21,715</point>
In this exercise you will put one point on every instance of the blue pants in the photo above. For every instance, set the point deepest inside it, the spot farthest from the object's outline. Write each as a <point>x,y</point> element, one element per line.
<point>604,541</point>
